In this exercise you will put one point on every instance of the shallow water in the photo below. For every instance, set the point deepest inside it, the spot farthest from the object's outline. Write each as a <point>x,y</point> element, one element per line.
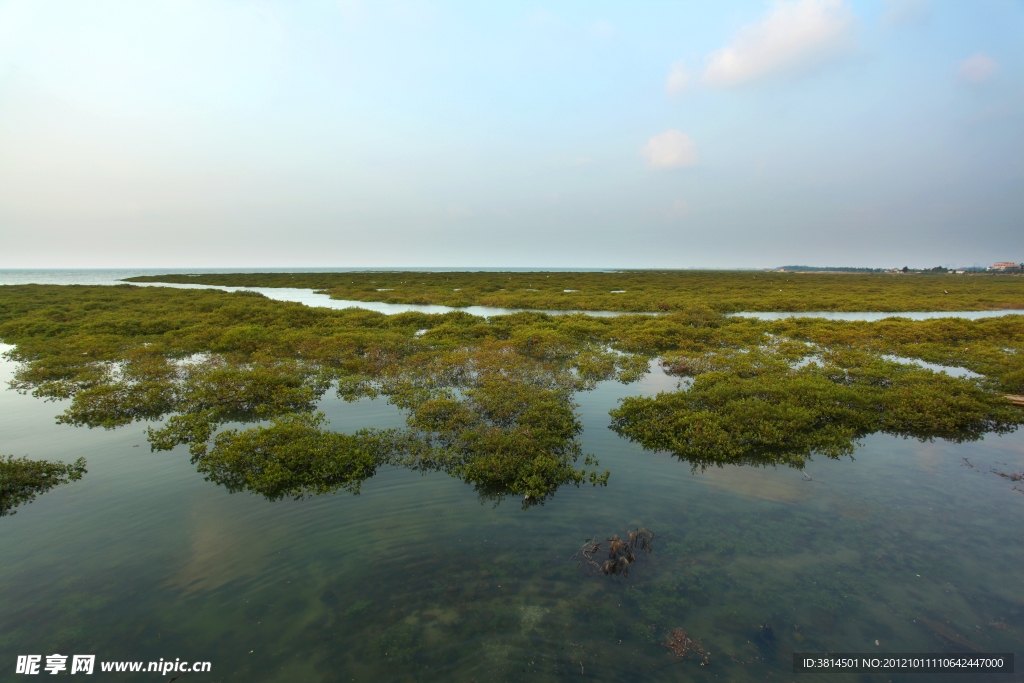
<point>308,297</point>
<point>415,579</point>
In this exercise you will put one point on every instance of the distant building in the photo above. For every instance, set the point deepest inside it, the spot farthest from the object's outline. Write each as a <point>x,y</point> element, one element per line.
<point>1007,265</point>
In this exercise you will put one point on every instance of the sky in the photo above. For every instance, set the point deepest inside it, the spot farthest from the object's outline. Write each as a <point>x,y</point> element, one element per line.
<point>725,134</point>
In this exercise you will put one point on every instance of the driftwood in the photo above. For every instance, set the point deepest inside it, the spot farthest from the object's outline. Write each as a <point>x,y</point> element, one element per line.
<point>1015,400</point>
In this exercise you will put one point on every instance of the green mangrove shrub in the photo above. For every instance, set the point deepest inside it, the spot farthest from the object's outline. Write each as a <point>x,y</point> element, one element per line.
<point>238,378</point>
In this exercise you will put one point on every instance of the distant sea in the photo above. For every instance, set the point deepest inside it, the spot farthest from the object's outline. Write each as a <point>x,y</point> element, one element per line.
<point>113,276</point>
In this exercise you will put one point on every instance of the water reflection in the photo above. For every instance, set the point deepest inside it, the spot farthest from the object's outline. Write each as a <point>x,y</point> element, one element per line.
<point>751,484</point>
<point>21,479</point>
<point>308,297</point>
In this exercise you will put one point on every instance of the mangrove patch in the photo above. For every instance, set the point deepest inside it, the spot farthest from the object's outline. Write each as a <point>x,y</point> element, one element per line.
<point>237,378</point>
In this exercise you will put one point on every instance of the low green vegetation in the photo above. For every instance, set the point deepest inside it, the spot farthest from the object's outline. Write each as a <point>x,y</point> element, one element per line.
<point>21,479</point>
<point>237,378</point>
<point>650,291</point>
<point>755,407</point>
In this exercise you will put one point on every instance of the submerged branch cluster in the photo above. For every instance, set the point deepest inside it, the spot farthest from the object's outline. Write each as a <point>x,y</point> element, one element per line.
<point>621,552</point>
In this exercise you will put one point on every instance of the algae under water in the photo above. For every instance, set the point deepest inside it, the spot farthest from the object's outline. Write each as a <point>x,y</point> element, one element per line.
<point>423,576</point>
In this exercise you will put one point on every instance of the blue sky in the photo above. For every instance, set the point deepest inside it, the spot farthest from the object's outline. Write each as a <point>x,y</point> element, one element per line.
<point>718,134</point>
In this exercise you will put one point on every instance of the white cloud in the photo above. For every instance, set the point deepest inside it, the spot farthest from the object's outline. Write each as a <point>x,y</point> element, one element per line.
<point>794,35</point>
<point>671,149</point>
<point>907,11</point>
<point>977,68</point>
<point>678,78</point>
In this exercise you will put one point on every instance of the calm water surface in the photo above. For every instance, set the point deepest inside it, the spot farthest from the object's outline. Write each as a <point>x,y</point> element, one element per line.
<point>416,579</point>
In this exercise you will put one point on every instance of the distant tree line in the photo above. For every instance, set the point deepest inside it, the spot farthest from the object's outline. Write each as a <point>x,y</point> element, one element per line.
<point>905,269</point>
<point>819,269</point>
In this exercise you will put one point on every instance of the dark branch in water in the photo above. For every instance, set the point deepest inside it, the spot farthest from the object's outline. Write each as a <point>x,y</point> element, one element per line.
<point>1012,476</point>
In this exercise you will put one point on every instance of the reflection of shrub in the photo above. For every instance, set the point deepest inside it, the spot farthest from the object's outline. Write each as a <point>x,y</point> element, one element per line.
<point>21,479</point>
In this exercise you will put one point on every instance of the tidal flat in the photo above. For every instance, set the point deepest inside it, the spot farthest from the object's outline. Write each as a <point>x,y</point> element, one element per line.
<point>647,290</point>
<point>809,485</point>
